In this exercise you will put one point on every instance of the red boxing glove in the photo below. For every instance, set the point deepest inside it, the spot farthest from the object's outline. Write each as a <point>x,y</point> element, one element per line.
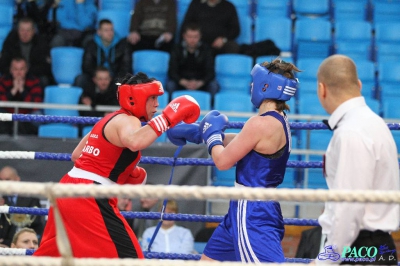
<point>183,108</point>
<point>137,177</point>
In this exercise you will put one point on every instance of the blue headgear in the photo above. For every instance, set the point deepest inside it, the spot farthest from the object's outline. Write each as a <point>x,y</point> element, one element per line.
<point>269,85</point>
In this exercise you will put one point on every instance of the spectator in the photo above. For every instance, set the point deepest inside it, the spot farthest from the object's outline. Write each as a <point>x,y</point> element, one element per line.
<point>100,91</point>
<point>25,238</point>
<point>8,173</point>
<point>153,25</point>
<point>22,87</point>
<point>38,11</point>
<point>27,43</point>
<point>310,243</point>
<point>219,24</point>
<point>105,49</point>
<point>146,205</point>
<point>170,237</point>
<point>191,66</point>
<point>7,229</point>
<point>76,20</point>
<point>125,204</point>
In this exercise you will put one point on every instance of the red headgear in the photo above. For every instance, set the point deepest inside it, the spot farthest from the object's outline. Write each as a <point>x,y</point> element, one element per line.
<point>133,97</point>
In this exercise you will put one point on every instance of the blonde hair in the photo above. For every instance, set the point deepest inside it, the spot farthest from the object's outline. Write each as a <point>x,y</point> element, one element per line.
<point>20,232</point>
<point>172,204</point>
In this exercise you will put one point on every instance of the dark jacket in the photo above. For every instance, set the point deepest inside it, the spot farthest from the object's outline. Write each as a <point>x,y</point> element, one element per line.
<point>108,97</point>
<point>7,230</point>
<point>39,56</point>
<point>310,242</point>
<point>115,57</point>
<point>220,20</point>
<point>38,222</point>
<point>201,68</point>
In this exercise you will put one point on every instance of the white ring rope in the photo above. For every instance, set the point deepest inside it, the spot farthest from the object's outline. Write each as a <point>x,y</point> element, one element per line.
<point>17,155</point>
<point>46,261</point>
<point>56,190</point>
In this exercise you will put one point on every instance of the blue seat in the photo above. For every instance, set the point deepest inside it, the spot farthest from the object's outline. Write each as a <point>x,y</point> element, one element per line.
<point>315,178</point>
<point>311,8</point>
<point>366,71</point>
<point>181,6</point>
<point>6,15</point>
<point>58,131</point>
<point>384,11</point>
<point>355,10</point>
<point>86,129</point>
<point>154,63</point>
<point>279,30</point>
<point>312,38</point>
<point>66,63</point>
<point>387,41</point>
<point>318,141</point>
<point>374,104</point>
<point>62,95</point>
<point>309,68</point>
<point>246,30</point>
<point>308,76</point>
<point>310,105</point>
<point>224,178</point>
<point>233,102</point>
<point>233,69</point>
<point>199,247</point>
<point>391,108</point>
<point>202,97</point>
<point>354,38</point>
<point>4,31</point>
<point>388,79</point>
<point>116,4</point>
<point>119,17</point>
<point>243,8</point>
<point>281,8</point>
<point>396,136</point>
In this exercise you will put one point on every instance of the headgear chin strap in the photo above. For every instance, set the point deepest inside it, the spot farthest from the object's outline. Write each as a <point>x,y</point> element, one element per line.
<point>269,85</point>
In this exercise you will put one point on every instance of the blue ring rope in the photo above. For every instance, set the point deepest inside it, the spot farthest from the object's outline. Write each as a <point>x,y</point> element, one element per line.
<point>93,120</point>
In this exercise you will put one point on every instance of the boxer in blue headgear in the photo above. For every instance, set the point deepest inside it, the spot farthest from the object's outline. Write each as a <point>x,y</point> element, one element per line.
<point>251,231</point>
<point>270,85</point>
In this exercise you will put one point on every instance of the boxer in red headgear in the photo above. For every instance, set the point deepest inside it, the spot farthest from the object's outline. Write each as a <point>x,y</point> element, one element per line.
<point>108,155</point>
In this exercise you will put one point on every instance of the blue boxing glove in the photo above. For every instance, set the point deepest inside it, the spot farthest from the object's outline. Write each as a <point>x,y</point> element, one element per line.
<point>183,132</point>
<point>212,128</point>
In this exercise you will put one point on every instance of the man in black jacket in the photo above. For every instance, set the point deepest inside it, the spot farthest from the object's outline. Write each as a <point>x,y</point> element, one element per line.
<point>8,173</point>
<point>105,49</point>
<point>219,24</point>
<point>191,66</point>
<point>25,42</point>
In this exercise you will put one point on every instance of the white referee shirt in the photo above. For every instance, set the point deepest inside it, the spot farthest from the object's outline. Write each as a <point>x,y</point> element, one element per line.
<point>361,155</point>
<point>176,239</point>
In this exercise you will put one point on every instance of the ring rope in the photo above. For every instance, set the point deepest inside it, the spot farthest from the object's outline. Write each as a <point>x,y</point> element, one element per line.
<point>143,160</point>
<point>147,255</point>
<point>47,261</point>
<point>156,216</point>
<point>197,192</point>
<point>93,120</point>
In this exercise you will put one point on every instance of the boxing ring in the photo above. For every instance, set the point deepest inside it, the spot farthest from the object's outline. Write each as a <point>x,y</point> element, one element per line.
<point>53,190</point>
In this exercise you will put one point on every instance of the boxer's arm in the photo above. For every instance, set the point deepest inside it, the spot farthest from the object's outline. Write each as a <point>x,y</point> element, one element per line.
<point>78,149</point>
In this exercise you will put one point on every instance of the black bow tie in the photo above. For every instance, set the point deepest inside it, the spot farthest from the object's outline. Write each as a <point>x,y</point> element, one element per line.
<point>325,121</point>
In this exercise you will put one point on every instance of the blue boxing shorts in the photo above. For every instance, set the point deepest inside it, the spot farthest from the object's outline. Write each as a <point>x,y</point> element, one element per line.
<point>252,231</point>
